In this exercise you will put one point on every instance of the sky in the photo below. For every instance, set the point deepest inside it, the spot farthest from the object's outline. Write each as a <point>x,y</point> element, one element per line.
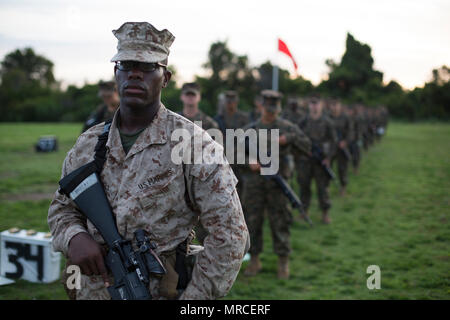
<point>408,38</point>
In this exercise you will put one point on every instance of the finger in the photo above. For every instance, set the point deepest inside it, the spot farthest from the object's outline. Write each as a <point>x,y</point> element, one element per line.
<point>85,269</point>
<point>93,267</point>
<point>102,269</point>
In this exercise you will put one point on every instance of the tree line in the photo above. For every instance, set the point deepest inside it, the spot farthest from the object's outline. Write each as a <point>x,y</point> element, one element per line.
<point>30,92</point>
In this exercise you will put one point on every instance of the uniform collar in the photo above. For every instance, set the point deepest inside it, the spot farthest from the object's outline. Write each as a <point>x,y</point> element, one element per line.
<point>155,133</point>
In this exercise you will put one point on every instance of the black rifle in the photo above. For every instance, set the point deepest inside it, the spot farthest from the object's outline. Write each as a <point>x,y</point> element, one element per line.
<point>284,186</point>
<point>131,269</point>
<point>343,150</point>
<point>290,194</point>
<point>319,156</point>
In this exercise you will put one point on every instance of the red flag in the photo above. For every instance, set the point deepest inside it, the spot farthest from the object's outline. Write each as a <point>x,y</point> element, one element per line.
<point>283,48</point>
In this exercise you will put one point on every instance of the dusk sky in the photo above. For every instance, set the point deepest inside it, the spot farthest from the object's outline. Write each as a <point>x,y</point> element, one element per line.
<point>408,38</point>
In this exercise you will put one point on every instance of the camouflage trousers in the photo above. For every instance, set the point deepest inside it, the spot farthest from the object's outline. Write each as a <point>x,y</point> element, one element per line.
<point>342,166</point>
<point>263,195</point>
<point>355,151</point>
<point>308,169</point>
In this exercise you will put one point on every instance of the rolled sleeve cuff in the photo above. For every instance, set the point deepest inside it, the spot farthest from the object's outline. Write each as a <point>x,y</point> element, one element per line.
<point>69,234</point>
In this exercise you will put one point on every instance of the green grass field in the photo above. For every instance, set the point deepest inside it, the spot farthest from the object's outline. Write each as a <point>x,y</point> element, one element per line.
<point>396,216</point>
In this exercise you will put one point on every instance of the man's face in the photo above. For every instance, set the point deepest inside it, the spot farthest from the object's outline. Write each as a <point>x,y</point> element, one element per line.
<point>190,98</point>
<point>231,105</point>
<point>315,107</point>
<point>109,97</point>
<point>336,108</point>
<point>139,84</point>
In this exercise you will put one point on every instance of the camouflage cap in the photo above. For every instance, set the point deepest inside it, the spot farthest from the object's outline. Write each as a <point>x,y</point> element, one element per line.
<point>292,100</point>
<point>141,41</point>
<point>106,86</point>
<point>231,95</point>
<point>272,100</point>
<point>271,94</point>
<point>190,87</point>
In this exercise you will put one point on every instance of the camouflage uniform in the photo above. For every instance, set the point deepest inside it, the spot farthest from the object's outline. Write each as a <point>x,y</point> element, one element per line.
<point>147,190</point>
<point>102,113</point>
<point>363,121</point>
<point>261,193</point>
<point>344,131</point>
<point>237,120</point>
<point>295,116</point>
<point>207,121</point>
<point>354,146</point>
<point>322,133</point>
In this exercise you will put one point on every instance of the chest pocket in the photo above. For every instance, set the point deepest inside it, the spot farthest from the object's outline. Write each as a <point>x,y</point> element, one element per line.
<point>160,197</point>
<point>151,198</point>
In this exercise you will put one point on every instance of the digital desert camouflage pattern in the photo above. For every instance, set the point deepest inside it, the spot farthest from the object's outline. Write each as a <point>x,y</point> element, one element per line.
<point>262,194</point>
<point>147,190</point>
<point>141,41</point>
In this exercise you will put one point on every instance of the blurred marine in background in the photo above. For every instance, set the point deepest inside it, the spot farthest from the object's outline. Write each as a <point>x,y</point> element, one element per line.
<point>107,91</point>
<point>262,194</point>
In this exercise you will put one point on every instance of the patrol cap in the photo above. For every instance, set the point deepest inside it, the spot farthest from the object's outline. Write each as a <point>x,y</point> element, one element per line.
<point>314,98</point>
<point>231,96</point>
<point>272,100</point>
<point>190,87</point>
<point>142,42</point>
<point>292,100</point>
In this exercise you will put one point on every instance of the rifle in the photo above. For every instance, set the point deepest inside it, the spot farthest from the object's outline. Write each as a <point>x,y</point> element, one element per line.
<point>290,194</point>
<point>318,155</point>
<point>344,150</point>
<point>285,188</point>
<point>131,269</point>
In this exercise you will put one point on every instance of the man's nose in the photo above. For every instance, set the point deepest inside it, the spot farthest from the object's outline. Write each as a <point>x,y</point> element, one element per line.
<point>135,73</point>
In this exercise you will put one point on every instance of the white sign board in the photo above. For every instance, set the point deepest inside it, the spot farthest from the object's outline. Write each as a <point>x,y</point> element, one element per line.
<point>28,257</point>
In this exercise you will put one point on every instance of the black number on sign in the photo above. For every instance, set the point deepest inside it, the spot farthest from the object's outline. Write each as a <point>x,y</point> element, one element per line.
<point>23,250</point>
<point>13,259</point>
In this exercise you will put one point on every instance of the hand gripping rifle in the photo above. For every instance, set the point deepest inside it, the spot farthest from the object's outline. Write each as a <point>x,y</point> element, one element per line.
<point>290,194</point>
<point>285,188</point>
<point>345,150</point>
<point>318,155</point>
<point>131,269</point>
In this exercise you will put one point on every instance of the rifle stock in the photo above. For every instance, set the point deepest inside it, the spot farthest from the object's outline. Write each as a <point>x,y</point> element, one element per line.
<point>130,269</point>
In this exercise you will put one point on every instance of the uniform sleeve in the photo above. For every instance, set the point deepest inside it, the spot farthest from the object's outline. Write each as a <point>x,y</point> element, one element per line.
<point>214,190</point>
<point>332,139</point>
<point>64,219</point>
<point>349,129</point>
<point>298,139</point>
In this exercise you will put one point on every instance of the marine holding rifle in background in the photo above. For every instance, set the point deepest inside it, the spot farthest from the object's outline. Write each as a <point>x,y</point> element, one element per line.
<point>147,190</point>
<point>345,133</point>
<point>262,193</point>
<point>107,91</point>
<point>320,130</point>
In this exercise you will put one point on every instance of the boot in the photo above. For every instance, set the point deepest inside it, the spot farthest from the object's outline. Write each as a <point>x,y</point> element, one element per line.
<point>253,267</point>
<point>283,267</point>
<point>326,217</point>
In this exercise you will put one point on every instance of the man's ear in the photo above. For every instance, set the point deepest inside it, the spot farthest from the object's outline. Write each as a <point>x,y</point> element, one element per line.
<point>167,76</point>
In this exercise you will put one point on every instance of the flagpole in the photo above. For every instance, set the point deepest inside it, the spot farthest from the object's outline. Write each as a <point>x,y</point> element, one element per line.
<point>275,76</point>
